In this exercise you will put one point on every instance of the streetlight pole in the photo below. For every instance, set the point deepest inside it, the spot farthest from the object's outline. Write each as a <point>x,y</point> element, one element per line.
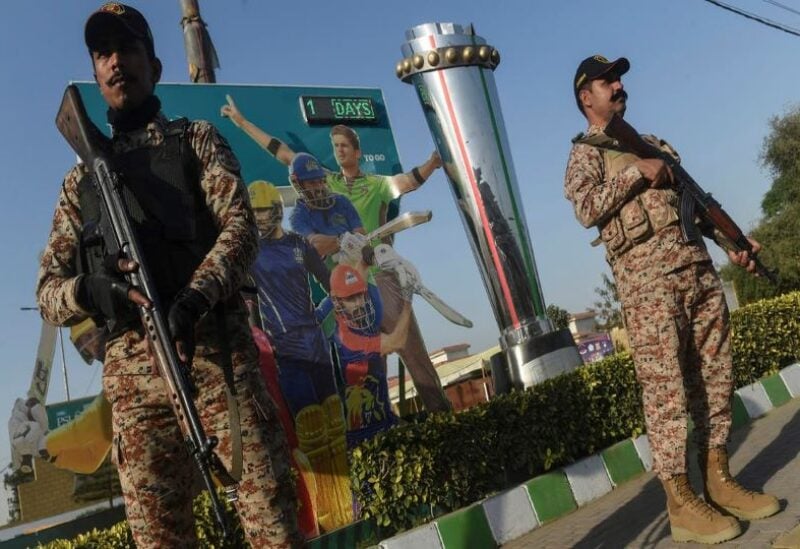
<point>63,363</point>
<point>200,52</point>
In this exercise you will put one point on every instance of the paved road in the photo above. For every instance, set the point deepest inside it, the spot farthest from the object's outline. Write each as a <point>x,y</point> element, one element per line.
<point>765,456</point>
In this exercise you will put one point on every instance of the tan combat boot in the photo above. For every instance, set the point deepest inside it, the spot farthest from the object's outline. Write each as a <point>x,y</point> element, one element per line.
<point>692,519</point>
<point>724,491</point>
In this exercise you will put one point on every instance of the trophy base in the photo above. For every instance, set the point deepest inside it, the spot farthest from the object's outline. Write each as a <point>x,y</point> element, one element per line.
<point>534,360</point>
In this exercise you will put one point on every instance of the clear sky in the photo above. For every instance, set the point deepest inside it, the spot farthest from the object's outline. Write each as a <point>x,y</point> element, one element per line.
<point>706,80</point>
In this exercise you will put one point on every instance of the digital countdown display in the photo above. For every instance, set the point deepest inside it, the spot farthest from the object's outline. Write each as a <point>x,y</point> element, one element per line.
<point>338,110</point>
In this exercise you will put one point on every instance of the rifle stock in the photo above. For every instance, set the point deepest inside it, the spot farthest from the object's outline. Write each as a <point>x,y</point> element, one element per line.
<point>92,147</point>
<point>692,195</point>
<point>73,123</point>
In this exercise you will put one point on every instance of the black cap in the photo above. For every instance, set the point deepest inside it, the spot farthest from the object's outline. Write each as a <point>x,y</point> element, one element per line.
<point>596,66</point>
<point>116,18</point>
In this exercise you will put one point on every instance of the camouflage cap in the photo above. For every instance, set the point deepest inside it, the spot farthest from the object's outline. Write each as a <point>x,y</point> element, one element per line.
<point>593,68</point>
<point>596,66</point>
<point>113,18</point>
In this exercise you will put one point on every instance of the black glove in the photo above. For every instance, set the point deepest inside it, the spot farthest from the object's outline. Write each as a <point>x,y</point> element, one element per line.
<point>105,293</point>
<point>187,308</point>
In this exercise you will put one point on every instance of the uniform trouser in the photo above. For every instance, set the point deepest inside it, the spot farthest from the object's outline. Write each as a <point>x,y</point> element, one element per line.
<point>157,474</point>
<point>678,327</point>
<point>414,354</point>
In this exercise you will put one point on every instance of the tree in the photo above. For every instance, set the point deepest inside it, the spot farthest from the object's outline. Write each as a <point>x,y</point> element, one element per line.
<point>780,238</point>
<point>779,229</point>
<point>559,317</point>
<point>781,156</point>
<point>609,309</point>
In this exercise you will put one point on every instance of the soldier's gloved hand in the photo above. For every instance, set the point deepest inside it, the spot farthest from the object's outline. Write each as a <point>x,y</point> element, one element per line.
<point>108,293</point>
<point>187,308</point>
<point>105,293</point>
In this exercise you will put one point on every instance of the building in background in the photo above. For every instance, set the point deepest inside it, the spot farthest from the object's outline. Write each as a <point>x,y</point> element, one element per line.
<point>466,379</point>
<point>583,324</point>
<point>449,354</point>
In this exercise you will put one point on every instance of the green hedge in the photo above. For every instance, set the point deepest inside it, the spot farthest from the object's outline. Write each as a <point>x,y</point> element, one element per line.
<point>765,337</point>
<point>119,536</point>
<point>445,461</point>
<point>116,537</point>
<point>451,460</point>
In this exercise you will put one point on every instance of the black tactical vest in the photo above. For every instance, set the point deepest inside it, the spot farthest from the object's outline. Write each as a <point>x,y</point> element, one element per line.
<point>161,190</point>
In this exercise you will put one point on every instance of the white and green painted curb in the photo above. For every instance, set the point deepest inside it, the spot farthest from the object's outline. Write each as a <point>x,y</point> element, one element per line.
<point>515,512</point>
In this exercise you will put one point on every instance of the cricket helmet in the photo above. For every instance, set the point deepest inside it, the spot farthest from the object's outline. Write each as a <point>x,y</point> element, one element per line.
<point>350,297</point>
<point>305,174</point>
<point>267,204</point>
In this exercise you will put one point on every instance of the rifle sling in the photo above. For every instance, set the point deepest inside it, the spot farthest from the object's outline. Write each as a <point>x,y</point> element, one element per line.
<point>230,393</point>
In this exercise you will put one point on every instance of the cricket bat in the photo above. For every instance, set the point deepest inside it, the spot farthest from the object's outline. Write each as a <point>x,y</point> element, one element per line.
<point>443,308</point>
<point>352,251</point>
<point>402,222</point>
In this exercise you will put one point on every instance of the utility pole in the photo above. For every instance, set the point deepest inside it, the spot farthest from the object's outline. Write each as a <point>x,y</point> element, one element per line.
<point>200,52</point>
<point>63,362</point>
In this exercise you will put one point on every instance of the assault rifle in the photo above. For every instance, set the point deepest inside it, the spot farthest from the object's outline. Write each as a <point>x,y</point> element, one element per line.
<point>692,195</point>
<point>93,149</point>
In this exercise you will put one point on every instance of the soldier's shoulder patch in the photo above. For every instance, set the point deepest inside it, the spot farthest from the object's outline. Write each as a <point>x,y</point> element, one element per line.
<point>211,146</point>
<point>224,154</point>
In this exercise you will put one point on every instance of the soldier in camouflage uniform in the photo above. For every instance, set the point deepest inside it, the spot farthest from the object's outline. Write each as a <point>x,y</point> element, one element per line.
<point>674,309</point>
<point>190,211</point>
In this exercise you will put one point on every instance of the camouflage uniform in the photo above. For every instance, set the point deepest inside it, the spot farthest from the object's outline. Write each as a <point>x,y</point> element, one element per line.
<point>155,469</point>
<point>671,296</point>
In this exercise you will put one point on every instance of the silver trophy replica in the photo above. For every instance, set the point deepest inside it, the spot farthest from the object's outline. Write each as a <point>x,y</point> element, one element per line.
<point>451,68</point>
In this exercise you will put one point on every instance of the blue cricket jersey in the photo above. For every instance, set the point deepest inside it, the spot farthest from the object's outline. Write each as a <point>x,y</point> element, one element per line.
<point>281,273</point>
<point>340,218</point>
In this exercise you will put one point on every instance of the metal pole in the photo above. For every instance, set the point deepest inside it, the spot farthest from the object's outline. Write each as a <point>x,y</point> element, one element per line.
<point>64,363</point>
<point>401,377</point>
<point>200,52</point>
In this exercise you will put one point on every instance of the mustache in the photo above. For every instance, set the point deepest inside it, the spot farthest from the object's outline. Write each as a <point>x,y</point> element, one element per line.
<point>118,76</point>
<point>621,94</point>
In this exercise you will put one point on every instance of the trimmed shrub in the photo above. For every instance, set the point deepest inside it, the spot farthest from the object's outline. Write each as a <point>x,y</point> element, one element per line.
<point>116,537</point>
<point>765,337</point>
<point>119,536</point>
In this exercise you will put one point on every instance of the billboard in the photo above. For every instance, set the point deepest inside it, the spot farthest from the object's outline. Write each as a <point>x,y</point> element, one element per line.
<point>596,347</point>
<point>61,413</point>
<point>333,298</point>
